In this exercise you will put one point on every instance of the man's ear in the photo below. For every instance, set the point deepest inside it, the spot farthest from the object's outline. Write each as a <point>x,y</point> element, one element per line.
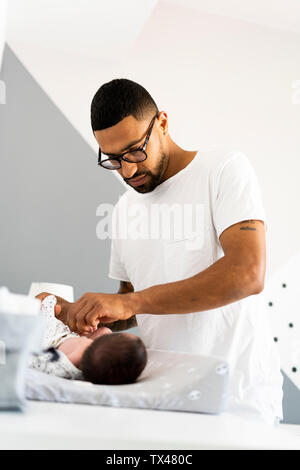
<point>163,122</point>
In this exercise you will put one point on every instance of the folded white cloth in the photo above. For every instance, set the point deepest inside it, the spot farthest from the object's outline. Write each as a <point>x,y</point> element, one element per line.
<point>20,335</point>
<point>22,325</point>
<point>18,304</point>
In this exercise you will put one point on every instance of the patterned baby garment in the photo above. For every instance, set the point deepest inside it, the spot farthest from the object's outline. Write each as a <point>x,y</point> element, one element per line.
<point>54,362</point>
<point>51,361</point>
<point>56,332</point>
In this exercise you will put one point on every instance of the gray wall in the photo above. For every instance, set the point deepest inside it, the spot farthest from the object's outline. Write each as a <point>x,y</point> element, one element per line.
<point>50,188</point>
<point>291,401</point>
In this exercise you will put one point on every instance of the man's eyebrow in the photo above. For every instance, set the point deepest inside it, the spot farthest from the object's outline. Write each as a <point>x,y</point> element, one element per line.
<point>131,144</point>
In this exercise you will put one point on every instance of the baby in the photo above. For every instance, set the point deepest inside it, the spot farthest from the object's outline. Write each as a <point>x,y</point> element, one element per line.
<point>102,357</point>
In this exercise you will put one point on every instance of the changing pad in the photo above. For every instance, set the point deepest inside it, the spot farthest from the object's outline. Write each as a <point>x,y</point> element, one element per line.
<point>171,381</point>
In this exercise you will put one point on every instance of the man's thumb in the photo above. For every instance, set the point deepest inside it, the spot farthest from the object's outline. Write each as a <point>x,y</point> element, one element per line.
<point>57,310</point>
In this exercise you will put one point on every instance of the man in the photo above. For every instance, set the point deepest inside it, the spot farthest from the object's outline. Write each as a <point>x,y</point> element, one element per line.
<point>197,292</point>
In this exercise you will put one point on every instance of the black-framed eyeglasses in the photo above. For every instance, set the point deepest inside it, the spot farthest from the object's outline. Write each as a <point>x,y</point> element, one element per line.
<point>135,155</point>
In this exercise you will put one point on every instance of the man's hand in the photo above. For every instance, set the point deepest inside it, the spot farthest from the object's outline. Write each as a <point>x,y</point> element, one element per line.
<point>60,309</point>
<point>91,309</point>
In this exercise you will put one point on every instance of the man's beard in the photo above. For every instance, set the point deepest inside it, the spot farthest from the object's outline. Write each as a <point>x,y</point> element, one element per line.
<point>154,177</point>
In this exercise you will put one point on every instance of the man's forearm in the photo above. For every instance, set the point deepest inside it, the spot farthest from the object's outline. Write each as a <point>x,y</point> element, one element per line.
<point>122,325</point>
<point>220,284</point>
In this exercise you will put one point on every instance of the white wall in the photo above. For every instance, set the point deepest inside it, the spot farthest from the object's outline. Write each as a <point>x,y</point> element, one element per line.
<point>229,82</point>
<point>223,81</point>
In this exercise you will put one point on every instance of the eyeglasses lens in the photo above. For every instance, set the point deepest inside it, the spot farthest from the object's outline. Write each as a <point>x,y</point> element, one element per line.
<point>133,157</point>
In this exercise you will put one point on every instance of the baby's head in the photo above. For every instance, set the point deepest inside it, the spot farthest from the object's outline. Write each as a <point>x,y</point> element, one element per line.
<point>114,359</point>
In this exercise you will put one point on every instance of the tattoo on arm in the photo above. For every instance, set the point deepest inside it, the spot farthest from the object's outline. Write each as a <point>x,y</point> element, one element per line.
<point>247,226</point>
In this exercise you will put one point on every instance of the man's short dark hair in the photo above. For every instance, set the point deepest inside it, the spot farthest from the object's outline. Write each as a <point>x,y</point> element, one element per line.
<point>114,359</point>
<point>118,99</point>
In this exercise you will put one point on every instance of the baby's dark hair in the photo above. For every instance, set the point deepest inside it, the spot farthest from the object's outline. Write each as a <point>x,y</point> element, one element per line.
<point>114,359</point>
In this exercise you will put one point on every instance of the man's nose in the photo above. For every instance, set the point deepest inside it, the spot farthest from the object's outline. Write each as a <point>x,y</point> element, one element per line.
<point>128,169</point>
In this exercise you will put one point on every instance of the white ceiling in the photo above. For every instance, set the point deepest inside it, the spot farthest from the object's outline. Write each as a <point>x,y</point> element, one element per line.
<point>281,14</point>
<point>71,45</point>
<point>99,28</point>
<point>96,28</point>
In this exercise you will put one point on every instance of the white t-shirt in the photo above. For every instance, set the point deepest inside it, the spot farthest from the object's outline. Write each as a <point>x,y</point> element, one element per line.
<point>222,189</point>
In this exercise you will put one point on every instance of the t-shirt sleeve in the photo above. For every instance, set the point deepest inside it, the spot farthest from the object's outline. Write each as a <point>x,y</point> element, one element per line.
<point>237,195</point>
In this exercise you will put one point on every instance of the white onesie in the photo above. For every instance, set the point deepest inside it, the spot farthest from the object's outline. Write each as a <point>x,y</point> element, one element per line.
<point>52,361</point>
<point>56,332</point>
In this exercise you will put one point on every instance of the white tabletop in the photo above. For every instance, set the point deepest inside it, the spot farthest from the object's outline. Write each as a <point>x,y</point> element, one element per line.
<point>70,426</point>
